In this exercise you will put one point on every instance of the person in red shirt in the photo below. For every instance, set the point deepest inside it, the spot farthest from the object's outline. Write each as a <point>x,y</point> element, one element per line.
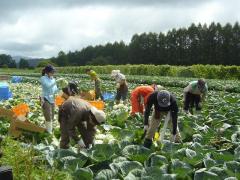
<point>139,97</point>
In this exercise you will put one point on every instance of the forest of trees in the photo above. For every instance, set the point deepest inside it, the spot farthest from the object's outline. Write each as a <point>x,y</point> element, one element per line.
<point>197,44</point>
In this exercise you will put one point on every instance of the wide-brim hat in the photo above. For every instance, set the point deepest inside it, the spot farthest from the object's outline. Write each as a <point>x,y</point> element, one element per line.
<point>99,115</point>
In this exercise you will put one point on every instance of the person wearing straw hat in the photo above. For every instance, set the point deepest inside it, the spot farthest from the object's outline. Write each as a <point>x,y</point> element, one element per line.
<point>49,90</point>
<point>122,87</point>
<point>163,102</point>
<point>194,94</point>
<point>77,113</point>
<point>139,97</point>
<point>97,82</point>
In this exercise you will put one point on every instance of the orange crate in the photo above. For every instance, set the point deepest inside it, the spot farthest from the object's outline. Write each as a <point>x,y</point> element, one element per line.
<point>21,109</point>
<point>59,100</point>
<point>98,104</point>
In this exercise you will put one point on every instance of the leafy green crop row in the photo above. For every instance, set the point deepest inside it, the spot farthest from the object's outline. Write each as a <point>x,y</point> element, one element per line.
<point>210,149</point>
<point>213,84</point>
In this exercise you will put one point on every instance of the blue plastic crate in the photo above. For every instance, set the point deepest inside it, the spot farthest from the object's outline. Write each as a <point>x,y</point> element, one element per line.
<point>108,96</point>
<point>5,96</point>
<point>16,79</point>
<point>4,91</point>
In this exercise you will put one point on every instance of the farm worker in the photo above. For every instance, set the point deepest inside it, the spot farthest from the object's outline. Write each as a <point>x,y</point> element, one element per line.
<point>194,94</point>
<point>77,113</point>
<point>122,87</point>
<point>163,102</point>
<point>139,97</point>
<point>49,90</point>
<point>70,90</point>
<point>94,77</point>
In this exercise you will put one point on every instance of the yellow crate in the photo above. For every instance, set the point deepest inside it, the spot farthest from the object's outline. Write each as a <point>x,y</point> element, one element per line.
<point>6,113</point>
<point>17,126</point>
<point>90,95</point>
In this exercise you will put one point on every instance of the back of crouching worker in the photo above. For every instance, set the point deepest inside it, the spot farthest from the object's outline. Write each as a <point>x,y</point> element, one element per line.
<point>77,113</point>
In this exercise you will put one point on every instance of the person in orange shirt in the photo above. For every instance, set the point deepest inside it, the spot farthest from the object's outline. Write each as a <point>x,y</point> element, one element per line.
<point>140,95</point>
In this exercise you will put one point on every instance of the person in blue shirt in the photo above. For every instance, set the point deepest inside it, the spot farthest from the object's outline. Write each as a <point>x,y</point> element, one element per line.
<point>49,89</point>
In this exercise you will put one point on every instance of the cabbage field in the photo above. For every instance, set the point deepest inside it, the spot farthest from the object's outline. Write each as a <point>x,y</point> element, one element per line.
<point>210,148</point>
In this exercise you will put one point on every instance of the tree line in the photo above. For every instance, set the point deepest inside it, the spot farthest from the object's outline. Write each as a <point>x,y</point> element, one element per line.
<point>197,44</point>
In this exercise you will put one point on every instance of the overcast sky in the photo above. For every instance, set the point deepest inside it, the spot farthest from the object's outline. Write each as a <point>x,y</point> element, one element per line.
<point>41,28</point>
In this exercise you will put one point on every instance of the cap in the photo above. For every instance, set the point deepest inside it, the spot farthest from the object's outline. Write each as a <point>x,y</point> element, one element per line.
<point>163,98</point>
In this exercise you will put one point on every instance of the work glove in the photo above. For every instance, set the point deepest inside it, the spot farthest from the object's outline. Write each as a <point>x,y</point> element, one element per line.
<point>59,79</point>
<point>81,144</point>
<point>118,85</point>
<point>90,146</point>
<point>61,82</point>
<point>145,127</point>
<point>176,138</point>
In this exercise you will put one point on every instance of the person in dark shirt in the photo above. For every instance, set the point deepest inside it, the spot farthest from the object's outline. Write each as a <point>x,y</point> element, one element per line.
<point>163,102</point>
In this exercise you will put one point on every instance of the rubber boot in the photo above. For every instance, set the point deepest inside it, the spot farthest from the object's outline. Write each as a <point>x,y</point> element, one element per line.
<point>48,125</point>
<point>147,143</point>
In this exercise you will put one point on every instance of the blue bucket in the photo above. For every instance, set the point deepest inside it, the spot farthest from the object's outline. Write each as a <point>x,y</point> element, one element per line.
<point>108,96</point>
<point>16,79</point>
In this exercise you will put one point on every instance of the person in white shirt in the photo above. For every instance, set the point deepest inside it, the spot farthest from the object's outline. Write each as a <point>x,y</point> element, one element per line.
<point>194,94</point>
<point>122,87</point>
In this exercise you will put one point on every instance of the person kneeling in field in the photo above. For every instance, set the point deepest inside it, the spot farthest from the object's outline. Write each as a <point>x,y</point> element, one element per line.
<point>163,102</point>
<point>77,113</point>
<point>194,94</point>
<point>122,87</point>
<point>139,97</point>
<point>94,77</point>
